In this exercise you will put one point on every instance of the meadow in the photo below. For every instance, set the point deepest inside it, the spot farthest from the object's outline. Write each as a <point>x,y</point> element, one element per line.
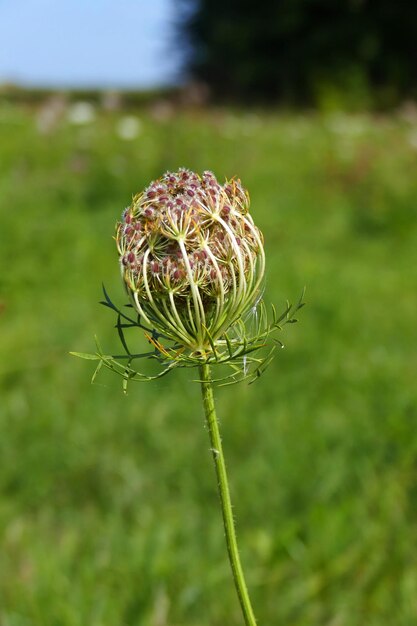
<point>109,513</point>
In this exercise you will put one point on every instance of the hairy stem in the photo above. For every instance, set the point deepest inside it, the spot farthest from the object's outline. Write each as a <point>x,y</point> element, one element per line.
<point>229,526</point>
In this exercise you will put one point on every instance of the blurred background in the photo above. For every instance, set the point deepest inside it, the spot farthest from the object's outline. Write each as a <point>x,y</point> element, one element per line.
<point>108,503</point>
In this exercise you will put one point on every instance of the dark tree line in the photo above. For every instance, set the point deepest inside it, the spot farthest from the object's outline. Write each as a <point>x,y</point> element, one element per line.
<point>295,50</point>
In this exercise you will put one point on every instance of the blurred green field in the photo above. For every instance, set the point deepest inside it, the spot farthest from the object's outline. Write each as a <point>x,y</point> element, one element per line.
<point>108,505</point>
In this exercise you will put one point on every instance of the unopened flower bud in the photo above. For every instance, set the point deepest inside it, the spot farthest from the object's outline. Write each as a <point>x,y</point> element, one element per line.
<point>191,258</point>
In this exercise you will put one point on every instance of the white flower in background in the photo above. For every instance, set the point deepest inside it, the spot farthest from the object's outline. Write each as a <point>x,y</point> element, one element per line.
<point>50,113</point>
<point>81,113</point>
<point>129,127</point>
<point>351,126</point>
<point>412,138</point>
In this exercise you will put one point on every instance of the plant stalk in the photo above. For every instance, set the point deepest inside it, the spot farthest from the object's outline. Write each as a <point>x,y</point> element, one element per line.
<point>224,493</point>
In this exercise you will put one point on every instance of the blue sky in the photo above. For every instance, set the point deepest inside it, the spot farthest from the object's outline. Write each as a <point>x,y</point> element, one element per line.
<point>98,43</point>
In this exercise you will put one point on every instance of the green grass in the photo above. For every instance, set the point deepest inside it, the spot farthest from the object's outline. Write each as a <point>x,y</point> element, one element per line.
<point>108,505</point>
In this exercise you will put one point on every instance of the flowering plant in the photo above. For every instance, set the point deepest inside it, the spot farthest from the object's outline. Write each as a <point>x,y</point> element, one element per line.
<point>193,264</point>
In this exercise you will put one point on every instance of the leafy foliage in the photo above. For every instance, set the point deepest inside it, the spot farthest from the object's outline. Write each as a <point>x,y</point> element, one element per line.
<point>303,50</point>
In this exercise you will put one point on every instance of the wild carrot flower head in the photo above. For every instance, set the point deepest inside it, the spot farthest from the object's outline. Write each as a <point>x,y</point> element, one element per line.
<point>193,264</point>
<point>191,258</point>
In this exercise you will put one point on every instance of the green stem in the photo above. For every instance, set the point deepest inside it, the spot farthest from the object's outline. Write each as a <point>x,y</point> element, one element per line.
<point>229,526</point>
